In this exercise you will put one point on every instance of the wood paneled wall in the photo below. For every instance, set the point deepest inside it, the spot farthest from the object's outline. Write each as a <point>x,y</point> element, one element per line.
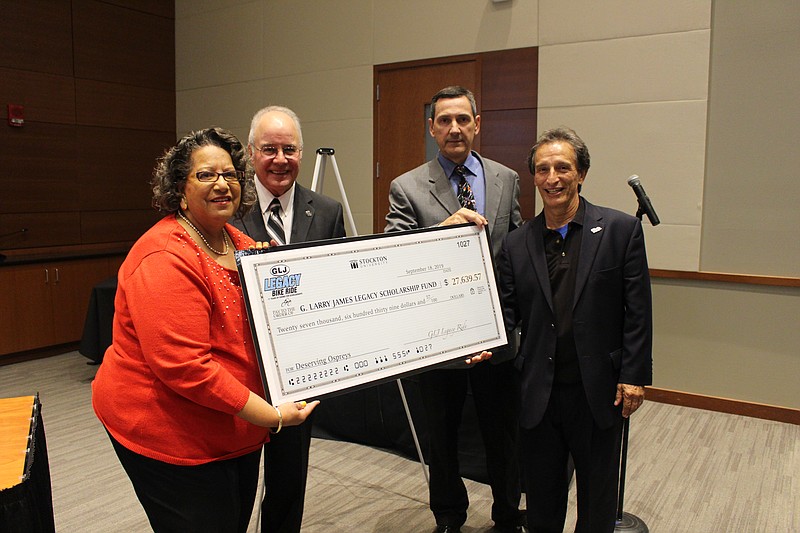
<point>97,82</point>
<point>509,99</point>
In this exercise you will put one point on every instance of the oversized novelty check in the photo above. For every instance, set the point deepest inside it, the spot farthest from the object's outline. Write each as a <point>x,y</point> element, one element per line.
<point>331,316</point>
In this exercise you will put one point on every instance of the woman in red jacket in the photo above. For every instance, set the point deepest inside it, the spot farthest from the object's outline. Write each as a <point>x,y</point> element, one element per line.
<point>179,390</point>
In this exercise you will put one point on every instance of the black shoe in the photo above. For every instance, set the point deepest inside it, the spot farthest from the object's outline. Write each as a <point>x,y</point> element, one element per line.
<point>448,529</point>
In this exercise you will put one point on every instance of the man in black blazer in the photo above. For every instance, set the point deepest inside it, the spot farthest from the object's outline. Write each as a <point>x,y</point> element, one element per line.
<point>276,148</point>
<point>427,196</point>
<point>576,280</point>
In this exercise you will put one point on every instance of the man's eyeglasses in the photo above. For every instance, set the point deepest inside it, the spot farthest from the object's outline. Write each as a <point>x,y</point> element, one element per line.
<point>290,151</point>
<point>209,176</point>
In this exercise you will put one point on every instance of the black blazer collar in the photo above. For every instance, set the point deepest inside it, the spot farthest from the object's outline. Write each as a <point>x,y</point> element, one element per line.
<point>303,213</point>
<point>591,237</point>
<point>534,242</point>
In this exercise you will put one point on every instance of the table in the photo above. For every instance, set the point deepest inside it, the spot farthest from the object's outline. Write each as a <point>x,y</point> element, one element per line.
<point>26,499</point>
<point>97,327</point>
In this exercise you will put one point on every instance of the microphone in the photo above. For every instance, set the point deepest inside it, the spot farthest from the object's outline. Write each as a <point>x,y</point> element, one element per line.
<point>644,202</point>
<point>4,235</point>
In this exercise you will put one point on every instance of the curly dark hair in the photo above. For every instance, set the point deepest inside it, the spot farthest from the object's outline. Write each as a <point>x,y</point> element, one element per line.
<point>172,169</point>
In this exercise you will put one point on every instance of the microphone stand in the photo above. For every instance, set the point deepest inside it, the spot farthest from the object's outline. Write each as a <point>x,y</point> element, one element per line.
<point>640,211</point>
<point>627,522</point>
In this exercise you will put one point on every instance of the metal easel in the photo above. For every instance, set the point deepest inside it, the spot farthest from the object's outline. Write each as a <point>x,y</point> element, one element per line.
<point>316,185</point>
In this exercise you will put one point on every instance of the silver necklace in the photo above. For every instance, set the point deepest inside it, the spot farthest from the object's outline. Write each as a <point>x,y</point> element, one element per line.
<point>224,236</point>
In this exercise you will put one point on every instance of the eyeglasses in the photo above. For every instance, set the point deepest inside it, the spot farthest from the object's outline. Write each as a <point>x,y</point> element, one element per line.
<point>289,151</point>
<point>209,176</point>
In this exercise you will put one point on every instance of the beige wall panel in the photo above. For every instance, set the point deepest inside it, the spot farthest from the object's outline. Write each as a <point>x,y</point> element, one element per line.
<point>363,223</point>
<point>322,36</point>
<point>219,47</point>
<point>727,340</point>
<point>317,40</point>
<point>188,8</point>
<point>591,21</point>
<point>322,95</point>
<point>414,29</point>
<point>352,140</point>
<point>752,188</point>
<point>241,133</point>
<point>229,106</point>
<point>636,69</point>
<point>642,139</point>
<point>671,246</point>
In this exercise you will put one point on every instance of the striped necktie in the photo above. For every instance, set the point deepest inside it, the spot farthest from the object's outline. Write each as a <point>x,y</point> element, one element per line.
<point>274,222</point>
<point>465,196</point>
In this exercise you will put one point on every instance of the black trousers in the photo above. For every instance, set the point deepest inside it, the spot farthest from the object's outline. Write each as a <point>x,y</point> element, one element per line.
<point>568,428</point>
<point>495,392</point>
<point>285,474</point>
<point>213,497</point>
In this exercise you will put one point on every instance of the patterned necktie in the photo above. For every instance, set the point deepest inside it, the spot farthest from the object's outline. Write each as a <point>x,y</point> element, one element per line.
<point>465,196</point>
<point>274,222</point>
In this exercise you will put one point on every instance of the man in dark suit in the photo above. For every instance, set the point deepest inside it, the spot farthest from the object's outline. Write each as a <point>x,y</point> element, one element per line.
<point>461,186</point>
<point>285,212</point>
<point>576,279</point>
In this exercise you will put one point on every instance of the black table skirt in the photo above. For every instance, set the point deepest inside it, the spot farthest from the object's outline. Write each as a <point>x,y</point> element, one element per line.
<point>375,416</point>
<point>27,507</point>
<point>99,321</point>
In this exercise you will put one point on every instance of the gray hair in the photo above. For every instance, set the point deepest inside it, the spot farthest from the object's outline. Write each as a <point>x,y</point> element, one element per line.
<point>562,134</point>
<point>269,109</point>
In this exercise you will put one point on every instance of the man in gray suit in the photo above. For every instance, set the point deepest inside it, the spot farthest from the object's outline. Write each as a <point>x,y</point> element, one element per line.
<point>285,212</point>
<point>461,186</point>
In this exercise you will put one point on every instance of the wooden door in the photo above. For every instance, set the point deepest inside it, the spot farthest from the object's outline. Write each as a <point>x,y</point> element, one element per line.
<point>400,122</point>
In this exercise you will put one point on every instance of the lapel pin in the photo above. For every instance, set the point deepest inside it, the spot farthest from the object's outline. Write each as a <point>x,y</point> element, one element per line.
<point>308,212</point>
<point>596,229</point>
